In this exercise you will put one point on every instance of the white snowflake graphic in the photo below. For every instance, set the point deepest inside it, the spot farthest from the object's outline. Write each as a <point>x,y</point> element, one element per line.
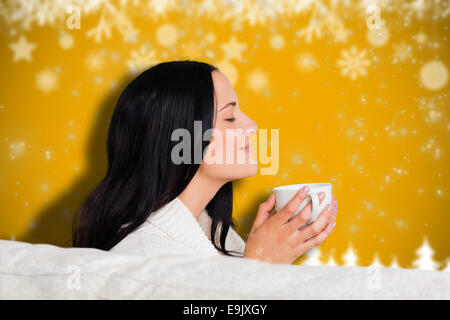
<point>402,52</point>
<point>95,61</point>
<point>327,16</point>
<point>16,149</point>
<point>306,62</point>
<point>258,80</point>
<point>353,63</point>
<point>141,59</point>
<point>324,20</point>
<point>46,80</point>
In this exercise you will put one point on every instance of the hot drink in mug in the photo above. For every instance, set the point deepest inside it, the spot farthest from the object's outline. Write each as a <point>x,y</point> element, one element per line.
<point>285,193</point>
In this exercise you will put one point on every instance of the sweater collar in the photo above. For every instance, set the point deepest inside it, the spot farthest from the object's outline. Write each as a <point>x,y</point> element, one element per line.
<point>178,222</point>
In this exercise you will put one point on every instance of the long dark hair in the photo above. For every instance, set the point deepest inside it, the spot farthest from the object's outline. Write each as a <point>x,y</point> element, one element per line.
<point>141,177</point>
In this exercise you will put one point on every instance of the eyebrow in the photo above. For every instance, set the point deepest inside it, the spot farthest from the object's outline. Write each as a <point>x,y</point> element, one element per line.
<point>232,103</point>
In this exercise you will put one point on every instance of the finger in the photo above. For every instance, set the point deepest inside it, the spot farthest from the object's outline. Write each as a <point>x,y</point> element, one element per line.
<point>304,215</point>
<point>327,215</point>
<point>263,211</point>
<point>299,235</point>
<point>288,210</point>
<point>316,240</point>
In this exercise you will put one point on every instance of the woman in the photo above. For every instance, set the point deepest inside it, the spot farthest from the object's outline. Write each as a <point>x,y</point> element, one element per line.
<point>151,203</point>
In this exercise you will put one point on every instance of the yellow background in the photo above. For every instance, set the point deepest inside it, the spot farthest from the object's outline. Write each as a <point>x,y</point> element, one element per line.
<point>381,138</point>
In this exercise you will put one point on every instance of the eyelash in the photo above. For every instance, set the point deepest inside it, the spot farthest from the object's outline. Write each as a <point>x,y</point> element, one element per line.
<point>230,119</point>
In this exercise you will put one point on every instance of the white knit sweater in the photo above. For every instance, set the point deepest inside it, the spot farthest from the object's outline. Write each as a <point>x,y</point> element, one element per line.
<point>173,229</point>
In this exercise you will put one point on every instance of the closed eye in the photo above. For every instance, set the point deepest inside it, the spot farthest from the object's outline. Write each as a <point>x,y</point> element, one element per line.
<point>230,119</point>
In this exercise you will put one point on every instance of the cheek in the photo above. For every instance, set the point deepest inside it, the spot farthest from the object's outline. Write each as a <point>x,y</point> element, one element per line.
<point>229,148</point>
<point>225,160</point>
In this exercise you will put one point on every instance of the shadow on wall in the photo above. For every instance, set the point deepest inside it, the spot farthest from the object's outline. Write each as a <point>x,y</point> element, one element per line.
<point>53,225</point>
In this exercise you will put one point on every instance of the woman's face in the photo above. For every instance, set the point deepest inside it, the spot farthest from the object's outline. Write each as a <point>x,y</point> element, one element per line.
<point>229,155</point>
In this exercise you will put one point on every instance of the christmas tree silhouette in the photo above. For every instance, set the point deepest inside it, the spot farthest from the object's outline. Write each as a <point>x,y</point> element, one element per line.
<point>425,257</point>
<point>313,257</point>
<point>447,267</point>
<point>350,257</point>
<point>376,262</point>
<point>331,262</point>
<point>394,264</point>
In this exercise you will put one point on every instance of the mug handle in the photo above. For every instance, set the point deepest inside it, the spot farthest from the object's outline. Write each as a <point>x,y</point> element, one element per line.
<point>316,206</point>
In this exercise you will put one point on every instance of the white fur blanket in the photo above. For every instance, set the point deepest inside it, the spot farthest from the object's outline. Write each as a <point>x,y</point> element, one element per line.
<point>42,271</point>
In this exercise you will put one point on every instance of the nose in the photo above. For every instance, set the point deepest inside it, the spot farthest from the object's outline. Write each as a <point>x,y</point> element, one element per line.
<point>252,127</point>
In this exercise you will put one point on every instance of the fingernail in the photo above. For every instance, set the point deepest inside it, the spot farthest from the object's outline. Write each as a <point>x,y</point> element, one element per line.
<point>305,189</point>
<point>334,224</point>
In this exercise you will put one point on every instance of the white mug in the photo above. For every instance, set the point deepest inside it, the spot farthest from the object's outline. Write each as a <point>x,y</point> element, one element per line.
<point>285,193</point>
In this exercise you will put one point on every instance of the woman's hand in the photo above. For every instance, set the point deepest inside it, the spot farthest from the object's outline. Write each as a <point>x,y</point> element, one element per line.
<point>276,239</point>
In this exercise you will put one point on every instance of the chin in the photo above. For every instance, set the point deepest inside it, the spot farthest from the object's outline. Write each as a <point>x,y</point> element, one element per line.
<point>249,170</point>
<point>254,169</point>
<point>236,172</point>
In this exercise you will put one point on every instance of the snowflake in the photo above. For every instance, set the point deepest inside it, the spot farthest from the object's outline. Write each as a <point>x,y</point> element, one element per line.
<point>191,49</point>
<point>257,80</point>
<point>255,11</point>
<point>277,41</point>
<point>296,159</point>
<point>66,41</point>
<point>141,59</point>
<point>113,16</point>
<point>306,61</point>
<point>48,154</point>
<point>378,37</point>
<point>50,12</point>
<point>16,149</point>
<point>313,29</point>
<point>324,18</point>
<point>402,51</point>
<point>44,186</point>
<point>160,7</point>
<point>167,35</point>
<point>95,61</point>
<point>116,14</point>
<point>420,38</point>
<point>431,145</point>
<point>434,75</point>
<point>432,108</point>
<point>210,37</point>
<point>46,80</point>
<point>233,49</point>
<point>353,63</point>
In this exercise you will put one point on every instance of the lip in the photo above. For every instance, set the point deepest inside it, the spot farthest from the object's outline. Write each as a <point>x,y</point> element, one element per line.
<point>247,148</point>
